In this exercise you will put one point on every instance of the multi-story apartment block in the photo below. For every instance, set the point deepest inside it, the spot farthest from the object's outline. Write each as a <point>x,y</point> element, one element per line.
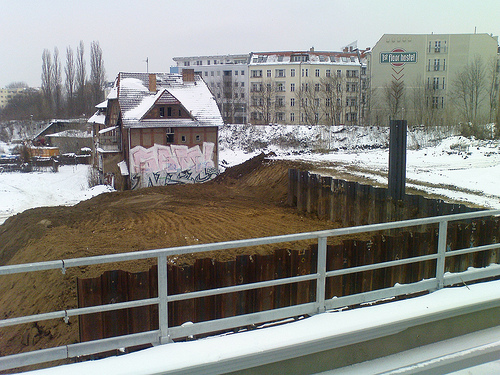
<point>420,77</point>
<point>7,94</point>
<point>307,87</point>
<point>227,78</point>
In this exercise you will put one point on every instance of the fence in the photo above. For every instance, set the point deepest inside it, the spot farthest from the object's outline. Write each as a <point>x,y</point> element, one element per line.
<point>320,272</point>
<point>350,203</point>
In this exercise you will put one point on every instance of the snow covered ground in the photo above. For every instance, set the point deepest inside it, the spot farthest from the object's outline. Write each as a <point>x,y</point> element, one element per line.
<point>452,167</point>
<point>22,191</point>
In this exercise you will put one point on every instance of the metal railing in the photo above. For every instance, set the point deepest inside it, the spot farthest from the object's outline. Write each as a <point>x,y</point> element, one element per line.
<point>166,334</point>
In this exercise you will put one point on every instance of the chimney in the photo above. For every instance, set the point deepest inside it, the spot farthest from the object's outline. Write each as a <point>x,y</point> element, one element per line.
<point>187,75</point>
<point>152,82</point>
<point>311,49</point>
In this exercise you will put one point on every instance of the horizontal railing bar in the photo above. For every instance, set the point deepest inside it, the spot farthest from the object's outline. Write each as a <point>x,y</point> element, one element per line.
<point>33,357</point>
<point>470,250</point>
<point>31,318</point>
<point>97,346</point>
<point>111,258</point>
<point>31,267</point>
<point>471,275</point>
<point>380,294</point>
<point>376,266</point>
<point>242,320</point>
<point>78,349</point>
<point>78,311</point>
<point>241,288</point>
<point>113,306</point>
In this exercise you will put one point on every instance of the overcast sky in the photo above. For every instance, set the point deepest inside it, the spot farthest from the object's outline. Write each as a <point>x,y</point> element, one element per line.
<point>130,31</point>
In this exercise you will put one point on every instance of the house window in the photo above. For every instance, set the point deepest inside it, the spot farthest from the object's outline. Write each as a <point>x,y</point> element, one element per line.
<point>437,46</point>
<point>242,95</point>
<point>292,117</point>
<point>280,101</point>
<point>186,63</point>
<point>256,73</point>
<point>292,86</point>
<point>268,73</point>
<point>183,138</point>
<point>305,72</point>
<point>280,73</point>
<point>436,64</point>
<point>170,135</point>
<point>292,72</point>
<point>316,87</point>
<point>206,74</point>
<point>328,102</point>
<point>242,72</point>
<point>180,114</point>
<point>198,138</point>
<point>316,73</point>
<point>235,72</point>
<point>339,73</point>
<point>280,86</point>
<point>162,111</point>
<point>328,73</point>
<point>292,102</point>
<point>169,111</point>
<point>280,116</point>
<point>212,73</point>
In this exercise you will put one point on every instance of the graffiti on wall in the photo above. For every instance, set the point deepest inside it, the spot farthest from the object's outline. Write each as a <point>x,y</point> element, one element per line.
<point>176,164</point>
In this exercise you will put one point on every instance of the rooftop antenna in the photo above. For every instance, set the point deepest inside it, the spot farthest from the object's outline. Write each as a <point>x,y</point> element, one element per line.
<point>147,64</point>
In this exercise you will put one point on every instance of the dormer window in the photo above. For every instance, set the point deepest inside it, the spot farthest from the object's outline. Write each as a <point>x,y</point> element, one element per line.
<point>169,111</point>
<point>162,111</point>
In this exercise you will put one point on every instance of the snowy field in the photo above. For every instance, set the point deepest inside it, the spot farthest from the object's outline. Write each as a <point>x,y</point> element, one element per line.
<point>454,167</point>
<point>22,191</point>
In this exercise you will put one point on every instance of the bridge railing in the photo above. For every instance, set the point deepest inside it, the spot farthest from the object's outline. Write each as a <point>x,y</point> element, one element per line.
<point>165,334</point>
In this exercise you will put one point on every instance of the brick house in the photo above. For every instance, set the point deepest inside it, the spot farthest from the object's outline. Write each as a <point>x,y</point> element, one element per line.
<point>156,129</point>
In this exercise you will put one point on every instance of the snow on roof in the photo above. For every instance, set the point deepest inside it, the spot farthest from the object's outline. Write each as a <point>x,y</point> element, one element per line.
<point>107,129</point>
<point>98,118</point>
<point>102,105</point>
<point>71,133</point>
<point>136,100</point>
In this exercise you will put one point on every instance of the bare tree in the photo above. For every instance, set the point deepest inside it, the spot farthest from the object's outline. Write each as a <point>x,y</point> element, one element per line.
<point>57,83</point>
<point>97,73</point>
<point>469,89</point>
<point>333,95</point>
<point>492,80</point>
<point>394,94</point>
<point>70,73</point>
<point>310,98</point>
<point>81,77</point>
<point>262,102</point>
<point>47,74</point>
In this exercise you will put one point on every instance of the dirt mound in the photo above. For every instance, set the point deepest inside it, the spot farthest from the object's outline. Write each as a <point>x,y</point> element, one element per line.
<point>246,201</point>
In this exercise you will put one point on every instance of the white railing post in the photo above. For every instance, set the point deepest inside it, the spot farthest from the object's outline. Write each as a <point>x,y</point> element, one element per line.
<point>441,260</point>
<point>163,303</point>
<point>321,271</point>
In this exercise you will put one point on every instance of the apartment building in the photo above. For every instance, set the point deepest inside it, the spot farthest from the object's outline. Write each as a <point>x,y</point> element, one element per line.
<point>307,87</point>
<point>227,78</point>
<point>415,76</point>
<point>7,94</point>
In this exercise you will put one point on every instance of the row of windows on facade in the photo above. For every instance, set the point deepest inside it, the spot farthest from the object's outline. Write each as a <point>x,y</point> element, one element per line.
<point>436,83</point>
<point>437,65</point>
<point>280,87</point>
<point>214,62</point>
<point>217,73</point>
<point>437,46</point>
<point>281,73</point>
<point>304,102</point>
<point>305,58</point>
<point>280,116</point>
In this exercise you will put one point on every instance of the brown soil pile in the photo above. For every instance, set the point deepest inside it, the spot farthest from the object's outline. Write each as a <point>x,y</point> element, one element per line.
<point>246,201</point>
